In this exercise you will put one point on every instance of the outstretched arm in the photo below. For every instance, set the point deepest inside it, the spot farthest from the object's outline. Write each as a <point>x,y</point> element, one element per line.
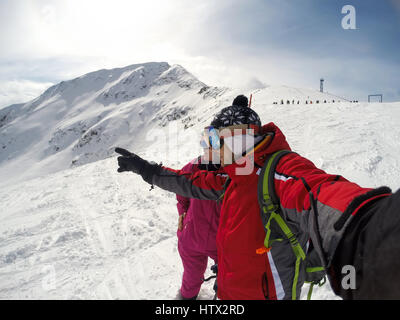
<point>205,185</point>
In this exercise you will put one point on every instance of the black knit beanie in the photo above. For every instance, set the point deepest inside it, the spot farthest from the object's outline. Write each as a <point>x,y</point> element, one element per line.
<point>234,115</point>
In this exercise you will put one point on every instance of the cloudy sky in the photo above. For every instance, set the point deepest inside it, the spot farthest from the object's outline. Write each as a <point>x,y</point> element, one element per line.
<point>237,43</point>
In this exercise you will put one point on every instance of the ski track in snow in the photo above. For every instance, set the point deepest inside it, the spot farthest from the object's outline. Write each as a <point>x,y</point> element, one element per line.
<point>90,233</point>
<point>97,234</point>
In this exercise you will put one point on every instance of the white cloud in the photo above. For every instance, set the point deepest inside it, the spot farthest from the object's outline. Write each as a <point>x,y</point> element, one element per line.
<point>59,40</point>
<point>18,91</point>
<point>120,28</point>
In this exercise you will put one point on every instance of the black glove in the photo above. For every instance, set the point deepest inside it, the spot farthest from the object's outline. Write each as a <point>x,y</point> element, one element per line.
<point>132,162</point>
<point>129,161</point>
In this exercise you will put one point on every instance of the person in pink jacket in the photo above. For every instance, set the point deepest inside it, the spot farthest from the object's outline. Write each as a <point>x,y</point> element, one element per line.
<point>197,230</point>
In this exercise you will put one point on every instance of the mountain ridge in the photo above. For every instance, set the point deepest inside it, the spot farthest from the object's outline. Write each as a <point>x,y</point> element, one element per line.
<point>81,120</point>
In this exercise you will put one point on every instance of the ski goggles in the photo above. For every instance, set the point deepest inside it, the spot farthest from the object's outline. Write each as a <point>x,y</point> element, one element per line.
<point>214,138</point>
<point>210,139</point>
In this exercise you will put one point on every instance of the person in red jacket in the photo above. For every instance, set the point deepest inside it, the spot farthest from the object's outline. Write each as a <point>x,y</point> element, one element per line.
<point>197,229</point>
<point>345,223</point>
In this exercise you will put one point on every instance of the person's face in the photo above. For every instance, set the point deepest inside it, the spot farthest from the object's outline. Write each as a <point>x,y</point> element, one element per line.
<point>218,156</point>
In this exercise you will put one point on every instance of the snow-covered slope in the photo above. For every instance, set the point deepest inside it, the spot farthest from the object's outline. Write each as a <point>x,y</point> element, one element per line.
<point>84,231</point>
<point>284,95</point>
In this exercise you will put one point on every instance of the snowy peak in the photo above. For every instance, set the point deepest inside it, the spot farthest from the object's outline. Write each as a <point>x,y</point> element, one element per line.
<point>131,83</point>
<point>121,84</point>
<point>101,78</point>
<point>81,120</point>
<point>113,83</point>
<point>141,80</point>
<point>181,76</point>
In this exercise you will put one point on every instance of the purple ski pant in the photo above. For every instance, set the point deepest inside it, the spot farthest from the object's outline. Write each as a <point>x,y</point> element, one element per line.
<point>194,266</point>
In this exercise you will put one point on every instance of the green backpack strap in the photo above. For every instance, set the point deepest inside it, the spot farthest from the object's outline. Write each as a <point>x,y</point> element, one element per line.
<point>270,208</point>
<point>312,284</point>
<point>315,272</point>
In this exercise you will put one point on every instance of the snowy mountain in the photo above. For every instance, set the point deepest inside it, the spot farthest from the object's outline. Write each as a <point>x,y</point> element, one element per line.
<point>73,228</point>
<point>81,120</point>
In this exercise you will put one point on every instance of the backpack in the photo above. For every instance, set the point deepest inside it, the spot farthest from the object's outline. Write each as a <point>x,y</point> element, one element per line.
<point>271,211</point>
